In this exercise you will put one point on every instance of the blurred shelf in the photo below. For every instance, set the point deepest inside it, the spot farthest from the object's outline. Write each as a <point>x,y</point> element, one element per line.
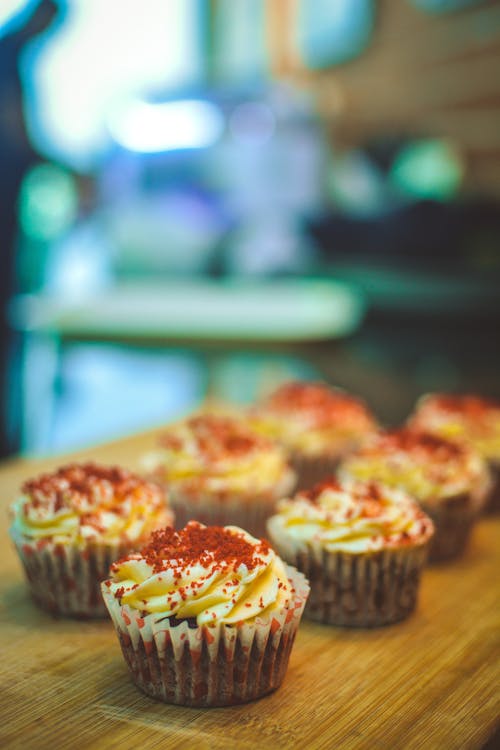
<point>420,291</point>
<point>203,311</point>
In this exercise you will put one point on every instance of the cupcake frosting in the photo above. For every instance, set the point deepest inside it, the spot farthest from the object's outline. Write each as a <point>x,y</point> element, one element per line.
<point>217,452</point>
<point>428,467</point>
<point>462,417</point>
<point>211,573</point>
<point>312,417</point>
<point>85,503</point>
<point>351,517</point>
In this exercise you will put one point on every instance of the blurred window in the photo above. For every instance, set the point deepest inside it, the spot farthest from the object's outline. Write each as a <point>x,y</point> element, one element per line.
<point>102,53</point>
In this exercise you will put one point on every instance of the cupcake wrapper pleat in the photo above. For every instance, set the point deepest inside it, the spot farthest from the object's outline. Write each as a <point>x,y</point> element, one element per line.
<point>453,525</point>
<point>208,666</point>
<point>493,500</point>
<point>249,511</point>
<point>359,590</point>
<point>65,580</point>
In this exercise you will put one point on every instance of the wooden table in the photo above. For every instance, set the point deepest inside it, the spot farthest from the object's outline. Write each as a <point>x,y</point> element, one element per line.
<point>430,682</point>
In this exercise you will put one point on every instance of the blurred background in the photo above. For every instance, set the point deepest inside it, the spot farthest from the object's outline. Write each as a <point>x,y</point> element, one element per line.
<point>201,198</point>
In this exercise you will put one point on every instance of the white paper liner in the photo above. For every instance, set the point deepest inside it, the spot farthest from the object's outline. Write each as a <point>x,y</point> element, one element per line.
<point>356,590</point>
<point>249,510</point>
<point>208,666</point>
<point>65,579</point>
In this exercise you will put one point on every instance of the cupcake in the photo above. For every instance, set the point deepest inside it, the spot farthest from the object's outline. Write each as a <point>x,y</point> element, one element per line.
<point>70,525</point>
<point>206,616</point>
<point>317,425</point>
<point>218,471</point>
<point>361,545</point>
<point>448,479</point>
<point>471,418</point>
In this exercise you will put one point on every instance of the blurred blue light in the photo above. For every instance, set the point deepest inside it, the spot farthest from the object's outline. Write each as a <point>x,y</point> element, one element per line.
<point>148,128</point>
<point>13,13</point>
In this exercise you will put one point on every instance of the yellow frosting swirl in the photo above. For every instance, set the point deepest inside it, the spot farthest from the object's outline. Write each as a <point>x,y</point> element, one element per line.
<point>429,468</point>
<point>312,418</point>
<point>82,504</point>
<point>470,418</point>
<point>351,517</point>
<point>218,453</point>
<point>213,574</point>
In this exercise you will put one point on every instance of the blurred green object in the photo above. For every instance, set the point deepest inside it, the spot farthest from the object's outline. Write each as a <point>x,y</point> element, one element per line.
<point>331,33</point>
<point>444,6</point>
<point>428,169</point>
<point>229,311</point>
<point>48,202</point>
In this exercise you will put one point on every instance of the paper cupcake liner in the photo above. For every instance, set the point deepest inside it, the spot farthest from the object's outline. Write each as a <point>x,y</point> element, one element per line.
<point>493,500</point>
<point>311,470</point>
<point>249,510</point>
<point>453,522</point>
<point>66,580</point>
<point>201,666</point>
<point>358,590</point>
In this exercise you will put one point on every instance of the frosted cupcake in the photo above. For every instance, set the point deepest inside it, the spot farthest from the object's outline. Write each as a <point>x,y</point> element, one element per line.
<point>317,425</point>
<point>449,480</point>
<point>70,525</point>
<point>219,471</point>
<point>206,616</point>
<point>473,419</point>
<point>361,545</point>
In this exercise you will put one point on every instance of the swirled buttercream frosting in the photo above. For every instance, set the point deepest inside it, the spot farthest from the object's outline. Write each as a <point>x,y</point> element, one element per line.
<point>428,467</point>
<point>85,503</point>
<point>218,453</point>
<point>461,417</point>
<point>312,418</point>
<point>214,574</point>
<point>351,517</point>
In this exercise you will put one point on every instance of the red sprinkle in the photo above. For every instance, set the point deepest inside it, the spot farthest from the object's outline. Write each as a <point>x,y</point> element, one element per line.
<point>414,441</point>
<point>323,404</point>
<point>217,437</point>
<point>202,545</point>
<point>274,625</point>
<point>208,636</point>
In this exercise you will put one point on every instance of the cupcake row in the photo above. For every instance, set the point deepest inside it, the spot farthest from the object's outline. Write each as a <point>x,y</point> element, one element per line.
<point>206,614</point>
<point>232,468</point>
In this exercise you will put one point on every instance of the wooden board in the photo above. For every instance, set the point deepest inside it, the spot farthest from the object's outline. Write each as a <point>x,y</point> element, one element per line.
<point>431,682</point>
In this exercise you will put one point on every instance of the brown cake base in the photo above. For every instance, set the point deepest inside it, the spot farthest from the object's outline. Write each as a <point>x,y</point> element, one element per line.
<point>197,679</point>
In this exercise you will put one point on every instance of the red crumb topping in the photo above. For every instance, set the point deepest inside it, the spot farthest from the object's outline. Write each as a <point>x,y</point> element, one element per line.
<point>416,442</point>
<point>312,494</point>
<point>79,485</point>
<point>217,437</point>
<point>318,400</point>
<point>468,405</point>
<point>368,495</point>
<point>203,545</point>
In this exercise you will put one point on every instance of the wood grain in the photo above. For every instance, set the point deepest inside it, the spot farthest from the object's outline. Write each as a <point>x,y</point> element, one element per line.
<point>431,682</point>
<point>422,74</point>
